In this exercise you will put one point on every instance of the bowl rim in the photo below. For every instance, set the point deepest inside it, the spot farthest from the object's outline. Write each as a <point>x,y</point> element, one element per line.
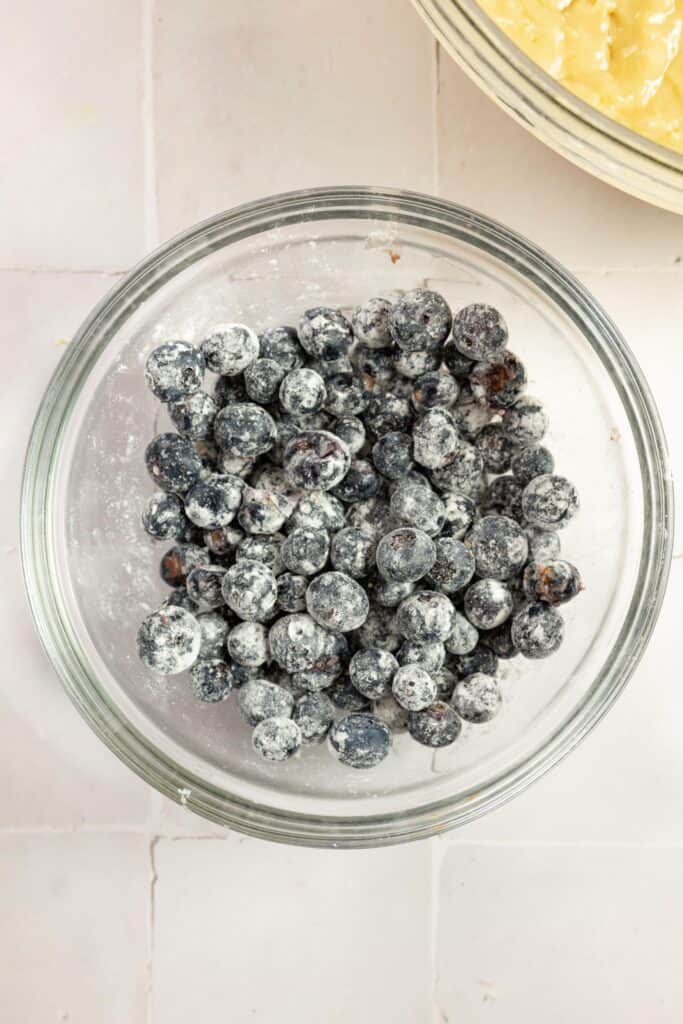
<point>63,647</point>
<point>545,107</point>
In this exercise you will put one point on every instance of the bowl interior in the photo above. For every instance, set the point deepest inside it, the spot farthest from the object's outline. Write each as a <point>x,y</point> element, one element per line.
<point>104,570</point>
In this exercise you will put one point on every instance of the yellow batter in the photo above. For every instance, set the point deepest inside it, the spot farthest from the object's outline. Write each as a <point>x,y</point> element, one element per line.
<point>622,56</point>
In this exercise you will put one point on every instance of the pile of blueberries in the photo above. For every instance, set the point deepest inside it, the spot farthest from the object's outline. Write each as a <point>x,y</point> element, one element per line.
<point>364,523</point>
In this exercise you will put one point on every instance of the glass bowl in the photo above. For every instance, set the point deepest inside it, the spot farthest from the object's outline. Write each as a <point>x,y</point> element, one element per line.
<point>91,572</point>
<point>570,126</point>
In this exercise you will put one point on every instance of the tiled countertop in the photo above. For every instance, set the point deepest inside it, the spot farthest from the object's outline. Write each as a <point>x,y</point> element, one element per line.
<point>123,123</point>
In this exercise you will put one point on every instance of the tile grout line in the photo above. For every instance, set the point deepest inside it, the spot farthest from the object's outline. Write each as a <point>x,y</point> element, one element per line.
<point>148,140</point>
<point>151,923</point>
<point>436,65</point>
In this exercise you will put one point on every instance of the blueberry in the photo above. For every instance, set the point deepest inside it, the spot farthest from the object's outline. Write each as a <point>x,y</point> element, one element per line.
<point>495,447</point>
<point>504,497</point>
<point>291,592</point>
<point>194,415</point>
<point>463,637</point>
<point>498,381</point>
<point>405,555</point>
<point>172,463</point>
<point>229,391</point>
<point>319,510</point>
<point>413,688</point>
<point>419,507</point>
<point>379,630</point>
<point>296,642</point>
<point>359,740</point>
<point>376,368</point>
<point>550,502</point>
<point>420,320</point>
<point>337,602</point>
<point>314,714</point>
<point>454,565</point>
<point>302,391</point>
<point>392,455</point>
<point>462,471</point>
<point>213,627</point>
<point>425,617</point>
<point>174,370</point>
<point>488,602</point>
<point>245,430</point>
<point>391,713</point>
<point>526,422</point>
<point>179,561</point>
<point>325,333</point>
<point>213,503</point>
<point>537,630</point>
<point>223,540</point>
<point>263,511</point>
<point>445,681</point>
<point>436,726</point>
<point>262,380</point>
<point>457,363</point>
<point>351,431</point>
<point>281,344</point>
<point>209,455</point>
<point>499,546</point>
<point>429,656</point>
<point>435,439</point>
<point>553,582</point>
<point>276,739</point>
<point>481,659</point>
<point>373,517</point>
<point>210,680</point>
<point>248,644</point>
<point>386,593</point>
<point>530,462</point>
<point>499,640</point>
<point>305,551</point>
<point>346,697</point>
<point>470,416</point>
<point>352,552</point>
<point>266,548</point>
<point>371,672</point>
<point>387,411</point>
<point>168,641</point>
<point>316,460</point>
<point>310,680</point>
<point>249,588</point>
<point>164,516</point>
<point>229,349</point>
<point>370,323</point>
<point>334,656</point>
<point>479,331</point>
<point>434,391</point>
<point>347,394</point>
<point>260,699</point>
<point>544,545</point>
<point>459,511</point>
<point>476,698</point>
<point>413,365</point>
<point>360,483</point>
<point>204,587</point>
<point>234,465</point>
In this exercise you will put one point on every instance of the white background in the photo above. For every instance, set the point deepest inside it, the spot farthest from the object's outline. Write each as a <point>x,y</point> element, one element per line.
<point>120,124</point>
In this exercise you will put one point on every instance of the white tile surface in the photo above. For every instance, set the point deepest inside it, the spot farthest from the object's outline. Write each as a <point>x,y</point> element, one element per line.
<point>56,773</point>
<point>71,174</point>
<point>73,941</point>
<point>293,96</point>
<point>282,935</point>
<point>562,934</point>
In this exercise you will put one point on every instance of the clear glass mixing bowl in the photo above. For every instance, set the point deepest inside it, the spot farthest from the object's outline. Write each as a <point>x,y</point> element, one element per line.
<point>578,131</point>
<point>91,573</point>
